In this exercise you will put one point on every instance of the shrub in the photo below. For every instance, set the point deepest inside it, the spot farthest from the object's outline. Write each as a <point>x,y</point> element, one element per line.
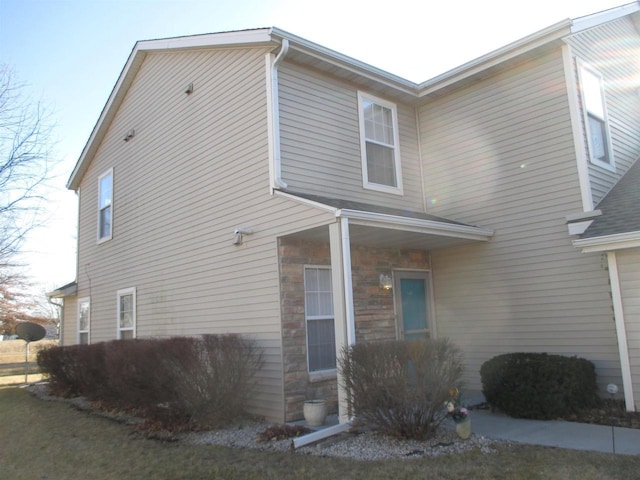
<point>212,377</point>
<point>539,385</point>
<point>73,370</point>
<point>401,386</point>
<point>201,381</point>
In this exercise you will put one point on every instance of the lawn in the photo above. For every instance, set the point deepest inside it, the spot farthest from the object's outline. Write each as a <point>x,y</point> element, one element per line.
<point>53,441</point>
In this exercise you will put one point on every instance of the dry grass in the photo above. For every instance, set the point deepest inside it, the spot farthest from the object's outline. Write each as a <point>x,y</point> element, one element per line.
<point>51,440</point>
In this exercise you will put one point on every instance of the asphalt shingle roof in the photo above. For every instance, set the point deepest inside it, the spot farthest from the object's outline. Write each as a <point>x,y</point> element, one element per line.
<point>620,207</point>
<point>368,207</point>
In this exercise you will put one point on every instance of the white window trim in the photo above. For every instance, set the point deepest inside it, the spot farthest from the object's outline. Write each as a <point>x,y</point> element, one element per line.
<point>316,375</point>
<point>363,145</point>
<point>582,65</point>
<point>110,236</point>
<point>88,330</point>
<point>122,293</point>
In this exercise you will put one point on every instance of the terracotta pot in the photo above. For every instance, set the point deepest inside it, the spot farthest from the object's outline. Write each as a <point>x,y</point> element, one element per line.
<point>315,412</point>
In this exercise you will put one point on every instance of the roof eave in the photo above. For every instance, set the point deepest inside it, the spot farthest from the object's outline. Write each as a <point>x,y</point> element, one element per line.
<point>431,227</point>
<point>606,243</point>
<point>552,33</point>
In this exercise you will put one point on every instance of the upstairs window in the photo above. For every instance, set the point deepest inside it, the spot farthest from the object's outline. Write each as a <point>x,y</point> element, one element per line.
<point>595,118</point>
<point>318,306</point>
<point>127,313</point>
<point>379,144</point>
<point>105,206</point>
<point>84,320</point>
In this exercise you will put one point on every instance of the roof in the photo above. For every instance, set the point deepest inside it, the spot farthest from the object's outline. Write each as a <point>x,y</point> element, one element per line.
<point>620,207</point>
<point>64,291</point>
<point>341,204</point>
<point>376,225</point>
<point>330,61</point>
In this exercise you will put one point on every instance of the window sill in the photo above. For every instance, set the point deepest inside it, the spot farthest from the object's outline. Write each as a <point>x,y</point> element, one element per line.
<point>323,375</point>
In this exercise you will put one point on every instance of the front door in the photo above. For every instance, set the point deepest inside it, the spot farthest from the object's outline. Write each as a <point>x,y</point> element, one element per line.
<point>411,291</point>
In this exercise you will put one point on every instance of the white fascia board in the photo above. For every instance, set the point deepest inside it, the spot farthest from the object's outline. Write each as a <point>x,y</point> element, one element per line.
<point>108,112</point>
<point>589,21</point>
<point>607,243</point>
<point>224,39</point>
<point>347,63</point>
<point>136,57</point>
<point>556,31</point>
<point>416,225</point>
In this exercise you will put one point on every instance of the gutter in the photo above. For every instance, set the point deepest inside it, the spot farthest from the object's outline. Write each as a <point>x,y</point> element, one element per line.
<point>605,243</point>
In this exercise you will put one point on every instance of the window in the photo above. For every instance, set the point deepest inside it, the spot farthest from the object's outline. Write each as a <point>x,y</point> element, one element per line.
<point>318,301</point>
<point>84,320</point>
<point>379,144</point>
<point>105,206</point>
<point>127,313</point>
<point>595,118</point>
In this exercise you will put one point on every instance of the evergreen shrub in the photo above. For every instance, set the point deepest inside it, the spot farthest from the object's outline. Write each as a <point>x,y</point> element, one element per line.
<point>539,385</point>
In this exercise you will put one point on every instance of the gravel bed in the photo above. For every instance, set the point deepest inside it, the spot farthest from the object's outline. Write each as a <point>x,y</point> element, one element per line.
<point>361,445</point>
<point>357,444</point>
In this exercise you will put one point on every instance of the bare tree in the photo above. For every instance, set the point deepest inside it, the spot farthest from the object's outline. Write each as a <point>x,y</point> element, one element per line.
<point>24,164</point>
<point>18,304</point>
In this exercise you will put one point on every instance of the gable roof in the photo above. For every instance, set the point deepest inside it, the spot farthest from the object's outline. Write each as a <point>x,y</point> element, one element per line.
<point>330,61</point>
<point>620,207</point>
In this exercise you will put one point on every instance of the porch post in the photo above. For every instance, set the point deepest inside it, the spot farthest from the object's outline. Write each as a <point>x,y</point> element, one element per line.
<point>342,301</point>
<point>621,332</point>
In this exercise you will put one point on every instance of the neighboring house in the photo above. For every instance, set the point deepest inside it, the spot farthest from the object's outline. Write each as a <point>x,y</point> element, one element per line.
<point>257,183</point>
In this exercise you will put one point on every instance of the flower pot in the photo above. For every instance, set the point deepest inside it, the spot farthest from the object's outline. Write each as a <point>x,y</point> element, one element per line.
<point>463,428</point>
<point>315,412</point>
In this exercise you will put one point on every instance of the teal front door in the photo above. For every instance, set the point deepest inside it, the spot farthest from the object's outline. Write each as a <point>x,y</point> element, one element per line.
<point>412,304</point>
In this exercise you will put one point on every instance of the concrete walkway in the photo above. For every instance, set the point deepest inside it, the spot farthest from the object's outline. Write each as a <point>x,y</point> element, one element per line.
<point>553,433</point>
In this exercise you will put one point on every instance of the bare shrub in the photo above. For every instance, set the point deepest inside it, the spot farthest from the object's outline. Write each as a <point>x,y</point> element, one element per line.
<point>401,386</point>
<point>74,370</point>
<point>199,382</point>
<point>213,377</point>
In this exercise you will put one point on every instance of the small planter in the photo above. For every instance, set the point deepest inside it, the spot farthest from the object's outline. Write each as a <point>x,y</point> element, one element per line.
<point>463,428</point>
<point>315,412</point>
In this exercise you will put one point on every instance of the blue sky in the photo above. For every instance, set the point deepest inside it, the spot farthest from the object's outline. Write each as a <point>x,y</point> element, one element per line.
<point>70,53</point>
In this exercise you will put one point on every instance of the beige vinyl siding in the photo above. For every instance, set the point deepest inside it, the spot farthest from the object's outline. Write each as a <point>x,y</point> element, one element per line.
<point>196,169</point>
<point>500,154</point>
<point>69,329</point>
<point>629,276</point>
<point>320,140</point>
<point>620,72</point>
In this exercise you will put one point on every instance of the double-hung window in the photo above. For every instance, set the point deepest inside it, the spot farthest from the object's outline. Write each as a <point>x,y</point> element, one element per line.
<point>127,313</point>
<point>105,206</point>
<point>595,117</point>
<point>321,343</point>
<point>379,144</point>
<point>84,320</point>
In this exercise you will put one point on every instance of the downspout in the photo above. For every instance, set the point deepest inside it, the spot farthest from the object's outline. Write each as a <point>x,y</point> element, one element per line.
<point>275,115</point>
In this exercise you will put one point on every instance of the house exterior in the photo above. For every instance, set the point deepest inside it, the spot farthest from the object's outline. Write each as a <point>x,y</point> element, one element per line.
<point>256,183</point>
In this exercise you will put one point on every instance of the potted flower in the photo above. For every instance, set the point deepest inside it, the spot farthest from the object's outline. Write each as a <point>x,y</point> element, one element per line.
<point>460,415</point>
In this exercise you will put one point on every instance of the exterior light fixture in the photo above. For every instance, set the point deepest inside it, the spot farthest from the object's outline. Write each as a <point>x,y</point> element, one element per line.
<point>385,282</point>
<point>238,235</point>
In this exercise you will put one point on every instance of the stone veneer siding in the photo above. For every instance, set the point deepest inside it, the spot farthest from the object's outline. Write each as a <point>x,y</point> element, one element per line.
<point>374,310</point>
